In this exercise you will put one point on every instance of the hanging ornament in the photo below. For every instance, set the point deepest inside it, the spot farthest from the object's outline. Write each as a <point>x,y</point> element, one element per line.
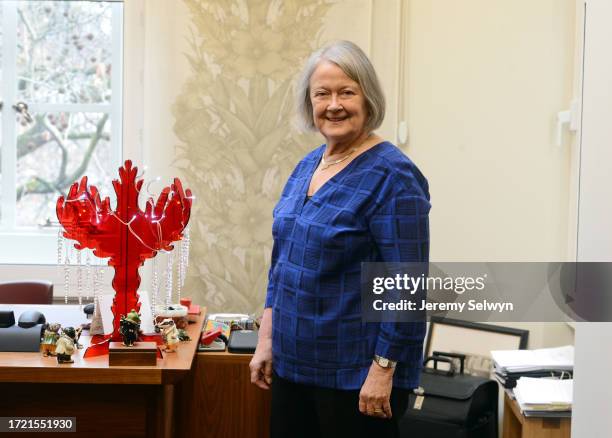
<point>66,275</point>
<point>60,247</point>
<point>169,279</point>
<point>179,277</point>
<point>154,289</point>
<point>88,277</point>
<point>79,278</point>
<point>183,262</point>
<point>186,243</point>
<point>95,282</point>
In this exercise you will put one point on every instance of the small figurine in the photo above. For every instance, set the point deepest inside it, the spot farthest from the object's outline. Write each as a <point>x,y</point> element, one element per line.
<point>170,335</point>
<point>129,327</point>
<point>183,336</point>
<point>65,346</point>
<point>181,322</point>
<point>50,338</point>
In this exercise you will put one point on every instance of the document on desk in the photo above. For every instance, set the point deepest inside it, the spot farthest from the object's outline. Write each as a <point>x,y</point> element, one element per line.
<point>511,361</point>
<point>544,394</point>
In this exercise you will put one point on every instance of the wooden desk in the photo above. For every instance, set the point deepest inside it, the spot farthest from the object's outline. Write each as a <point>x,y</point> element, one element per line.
<point>107,401</point>
<point>224,403</point>
<point>516,425</point>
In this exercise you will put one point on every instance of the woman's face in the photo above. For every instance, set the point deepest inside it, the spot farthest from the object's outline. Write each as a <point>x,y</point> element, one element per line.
<point>338,104</point>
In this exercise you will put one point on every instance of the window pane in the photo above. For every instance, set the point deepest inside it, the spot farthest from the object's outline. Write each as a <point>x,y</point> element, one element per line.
<point>53,152</point>
<point>64,52</point>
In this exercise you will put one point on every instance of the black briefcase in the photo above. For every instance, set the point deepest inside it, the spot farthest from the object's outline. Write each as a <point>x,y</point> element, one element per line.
<point>451,404</point>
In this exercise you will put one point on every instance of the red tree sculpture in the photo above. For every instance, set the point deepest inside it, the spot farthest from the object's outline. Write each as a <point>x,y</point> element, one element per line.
<point>127,235</point>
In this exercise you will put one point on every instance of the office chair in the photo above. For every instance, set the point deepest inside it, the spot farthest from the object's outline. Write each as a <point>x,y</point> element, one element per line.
<point>26,292</point>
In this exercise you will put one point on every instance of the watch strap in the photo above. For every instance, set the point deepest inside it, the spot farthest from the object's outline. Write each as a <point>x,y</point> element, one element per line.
<point>384,362</point>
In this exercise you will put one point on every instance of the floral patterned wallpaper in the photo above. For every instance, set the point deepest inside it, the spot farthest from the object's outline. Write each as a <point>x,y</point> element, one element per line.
<point>234,121</point>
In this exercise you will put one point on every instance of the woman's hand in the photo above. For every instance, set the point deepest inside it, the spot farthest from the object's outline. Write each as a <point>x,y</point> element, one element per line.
<point>375,394</point>
<point>261,364</point>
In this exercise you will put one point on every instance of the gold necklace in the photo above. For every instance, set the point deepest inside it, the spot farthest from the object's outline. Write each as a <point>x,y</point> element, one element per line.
<point>326,164</point>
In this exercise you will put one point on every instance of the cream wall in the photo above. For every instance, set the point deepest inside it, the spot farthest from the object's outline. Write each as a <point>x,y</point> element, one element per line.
<point>484,83</point>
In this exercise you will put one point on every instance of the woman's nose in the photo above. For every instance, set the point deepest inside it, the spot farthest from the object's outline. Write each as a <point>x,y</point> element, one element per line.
<point>334,105</point>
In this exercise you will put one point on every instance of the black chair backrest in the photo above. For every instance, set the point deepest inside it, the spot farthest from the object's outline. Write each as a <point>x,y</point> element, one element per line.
<point>26,292</point>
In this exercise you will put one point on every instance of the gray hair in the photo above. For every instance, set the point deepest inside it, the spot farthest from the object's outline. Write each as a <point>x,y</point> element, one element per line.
<point>356,65</point>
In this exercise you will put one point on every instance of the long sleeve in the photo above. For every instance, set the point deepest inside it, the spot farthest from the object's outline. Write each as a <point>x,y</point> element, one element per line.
<point>270,292</point>
<point>400,229</point>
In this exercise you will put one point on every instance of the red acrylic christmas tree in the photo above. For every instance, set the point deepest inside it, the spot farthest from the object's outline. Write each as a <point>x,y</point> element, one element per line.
<point>127,235</point>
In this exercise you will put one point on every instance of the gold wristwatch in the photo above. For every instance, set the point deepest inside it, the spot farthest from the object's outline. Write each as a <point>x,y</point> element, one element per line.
<point>383,362</point>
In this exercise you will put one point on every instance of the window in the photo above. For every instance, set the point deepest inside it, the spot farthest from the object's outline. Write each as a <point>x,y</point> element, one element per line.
<point>60,70</point>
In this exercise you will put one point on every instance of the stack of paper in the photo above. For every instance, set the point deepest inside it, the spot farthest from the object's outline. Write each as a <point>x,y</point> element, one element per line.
<point>512,361</point>
<point>537,395</point>
<point>511,365</point>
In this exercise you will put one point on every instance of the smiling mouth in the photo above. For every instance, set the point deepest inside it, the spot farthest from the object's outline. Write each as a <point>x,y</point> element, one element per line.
<point>339,119</point>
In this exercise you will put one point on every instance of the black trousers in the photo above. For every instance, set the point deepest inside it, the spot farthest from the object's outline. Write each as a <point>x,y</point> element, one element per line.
<point>301,411</point>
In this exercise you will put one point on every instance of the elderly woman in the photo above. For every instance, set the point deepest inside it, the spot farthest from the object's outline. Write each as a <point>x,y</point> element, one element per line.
<point>355,199</point>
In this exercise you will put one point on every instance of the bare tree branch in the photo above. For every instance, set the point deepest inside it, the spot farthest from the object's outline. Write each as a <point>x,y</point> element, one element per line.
<point>38,185</point>
<point>90,150</point>
<point>60,143</point>
<point>26,22</point>
<point>87,135</point>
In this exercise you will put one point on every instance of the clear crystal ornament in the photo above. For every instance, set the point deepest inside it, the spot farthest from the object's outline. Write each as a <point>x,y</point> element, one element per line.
<point>88,277</point>
<point>169,279</point>
<point>66,276</point>
<point>79,277</point>
<point>154,289</point>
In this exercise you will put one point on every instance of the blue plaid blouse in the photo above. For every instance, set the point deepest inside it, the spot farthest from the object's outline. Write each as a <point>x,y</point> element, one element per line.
<point>375,209</point>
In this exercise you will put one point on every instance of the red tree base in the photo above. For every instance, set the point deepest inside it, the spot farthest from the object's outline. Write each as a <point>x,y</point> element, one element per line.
<point>100,344</point>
